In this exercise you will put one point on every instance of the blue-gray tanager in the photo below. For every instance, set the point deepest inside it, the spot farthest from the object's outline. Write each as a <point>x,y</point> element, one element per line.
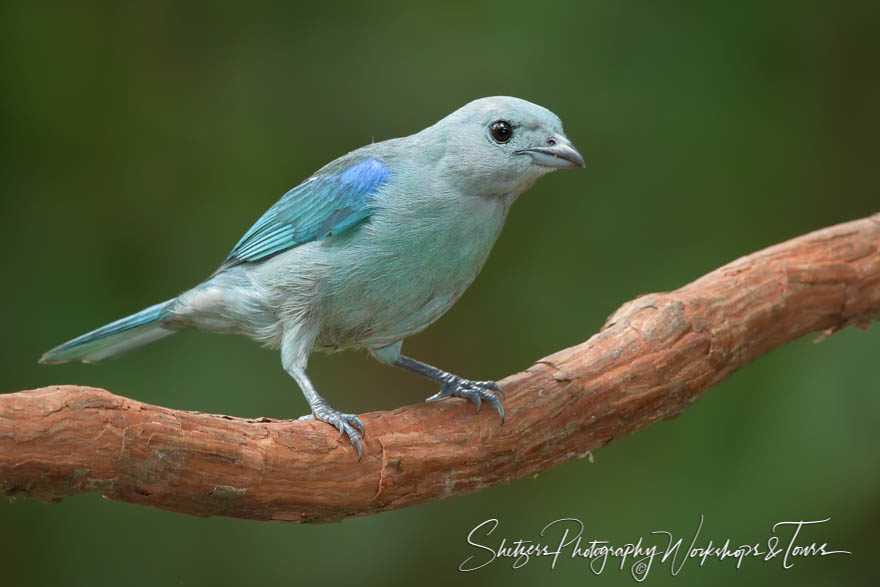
<point>372,248</point>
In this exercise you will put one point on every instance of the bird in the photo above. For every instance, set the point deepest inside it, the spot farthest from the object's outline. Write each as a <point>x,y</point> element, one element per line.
<point>367,251</point>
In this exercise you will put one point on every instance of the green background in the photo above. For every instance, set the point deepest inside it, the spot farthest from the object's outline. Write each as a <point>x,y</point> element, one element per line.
<point>141,140</point>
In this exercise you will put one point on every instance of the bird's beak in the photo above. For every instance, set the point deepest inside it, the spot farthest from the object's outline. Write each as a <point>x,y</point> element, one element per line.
<point>557,152</point>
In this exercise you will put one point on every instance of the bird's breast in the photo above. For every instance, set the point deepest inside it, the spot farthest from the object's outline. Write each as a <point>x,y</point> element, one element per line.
<point>404,268</point>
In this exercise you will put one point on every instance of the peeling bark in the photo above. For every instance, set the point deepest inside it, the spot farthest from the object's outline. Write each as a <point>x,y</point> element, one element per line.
<point>654,357</point>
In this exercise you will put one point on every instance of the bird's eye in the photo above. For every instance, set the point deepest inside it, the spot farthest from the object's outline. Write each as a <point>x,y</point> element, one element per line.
<point>501,131</point>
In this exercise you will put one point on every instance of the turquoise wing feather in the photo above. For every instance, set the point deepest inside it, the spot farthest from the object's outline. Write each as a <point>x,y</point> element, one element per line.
<point>319,207</point>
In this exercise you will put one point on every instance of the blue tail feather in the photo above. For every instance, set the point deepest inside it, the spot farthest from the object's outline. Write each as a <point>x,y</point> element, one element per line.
<point>114,338</point>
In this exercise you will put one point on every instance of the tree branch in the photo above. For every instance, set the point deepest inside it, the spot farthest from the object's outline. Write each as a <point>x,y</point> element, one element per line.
<point>654,357</point>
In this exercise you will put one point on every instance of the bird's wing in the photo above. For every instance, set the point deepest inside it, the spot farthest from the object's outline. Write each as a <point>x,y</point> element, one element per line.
<point>323,205</point>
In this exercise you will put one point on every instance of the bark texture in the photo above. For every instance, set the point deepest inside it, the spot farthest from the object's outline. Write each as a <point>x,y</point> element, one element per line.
<point>654,357</point>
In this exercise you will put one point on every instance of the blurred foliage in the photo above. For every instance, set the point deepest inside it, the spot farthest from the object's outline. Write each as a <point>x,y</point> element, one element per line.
<point>141,139</point>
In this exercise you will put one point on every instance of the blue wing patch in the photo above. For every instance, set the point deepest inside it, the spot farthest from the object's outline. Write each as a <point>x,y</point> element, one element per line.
<point>321,206</point>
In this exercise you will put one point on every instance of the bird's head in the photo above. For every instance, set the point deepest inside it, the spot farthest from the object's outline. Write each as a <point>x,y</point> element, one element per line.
<point>501,145</point>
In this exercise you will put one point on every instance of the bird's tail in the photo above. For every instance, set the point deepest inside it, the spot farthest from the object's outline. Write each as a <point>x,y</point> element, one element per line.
<point>114,338</point>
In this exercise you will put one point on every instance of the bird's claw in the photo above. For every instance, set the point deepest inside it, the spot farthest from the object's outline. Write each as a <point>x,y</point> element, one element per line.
<point>475,391</point>
<point>348,424</point>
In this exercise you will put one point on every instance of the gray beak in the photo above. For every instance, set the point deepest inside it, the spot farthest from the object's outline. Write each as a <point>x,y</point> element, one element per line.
<point>557,152</point>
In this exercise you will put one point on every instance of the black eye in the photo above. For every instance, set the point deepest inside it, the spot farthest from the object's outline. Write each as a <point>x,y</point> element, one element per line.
<point>501,131</point>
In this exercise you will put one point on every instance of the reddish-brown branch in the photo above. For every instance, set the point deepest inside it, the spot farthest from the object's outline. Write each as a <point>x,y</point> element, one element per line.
<point>653,358</point>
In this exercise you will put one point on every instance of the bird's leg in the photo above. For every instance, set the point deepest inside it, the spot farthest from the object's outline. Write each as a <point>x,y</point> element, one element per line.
<point>295,347</point>
<point>455,386</point>
<point>348,424</point>
<point>450,385</point>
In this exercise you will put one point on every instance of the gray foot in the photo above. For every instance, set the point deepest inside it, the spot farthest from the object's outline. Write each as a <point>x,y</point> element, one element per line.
<point>475,391</point>
<point>348,424</point>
